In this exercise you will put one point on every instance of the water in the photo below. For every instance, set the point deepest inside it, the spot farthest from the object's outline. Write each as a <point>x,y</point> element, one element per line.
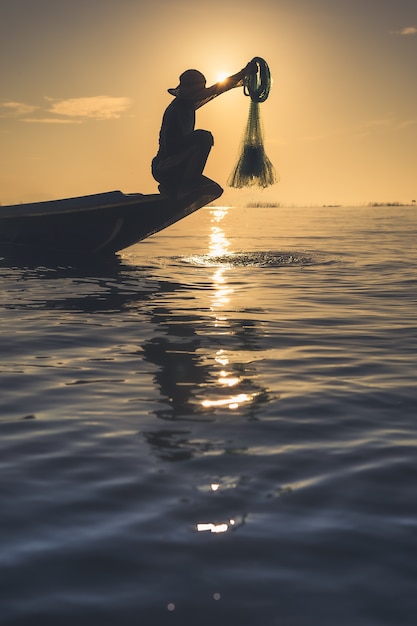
<point>220,428</point>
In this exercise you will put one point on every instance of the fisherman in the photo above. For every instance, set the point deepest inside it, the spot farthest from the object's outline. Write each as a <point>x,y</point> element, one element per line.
<point>183,151</point>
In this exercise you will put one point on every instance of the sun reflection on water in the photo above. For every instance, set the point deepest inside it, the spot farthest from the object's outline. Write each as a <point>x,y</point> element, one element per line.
<point>233,402</point>
<point>224,526</point>
<point>221,357</point>
<point>216,528</point>
<point>221,298</point>
<point>227,380</point>
<point>222,292</point>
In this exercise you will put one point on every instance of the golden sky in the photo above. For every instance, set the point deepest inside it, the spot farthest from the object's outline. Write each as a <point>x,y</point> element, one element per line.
<point>83,90</point>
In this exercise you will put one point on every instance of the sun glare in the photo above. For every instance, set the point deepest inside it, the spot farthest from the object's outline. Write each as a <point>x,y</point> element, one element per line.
<point>221,76</point>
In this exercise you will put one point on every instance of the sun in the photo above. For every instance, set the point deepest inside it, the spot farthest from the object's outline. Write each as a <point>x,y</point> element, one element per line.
<point>221,76</point>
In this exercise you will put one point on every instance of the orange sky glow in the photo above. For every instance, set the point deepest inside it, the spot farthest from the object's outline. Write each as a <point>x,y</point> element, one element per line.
<point>84,87</point>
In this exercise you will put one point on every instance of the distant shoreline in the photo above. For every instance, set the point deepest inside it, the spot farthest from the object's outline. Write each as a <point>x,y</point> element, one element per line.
<point>275,205</point>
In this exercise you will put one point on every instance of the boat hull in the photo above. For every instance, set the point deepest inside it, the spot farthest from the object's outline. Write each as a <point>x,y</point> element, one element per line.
<point>101,224</point>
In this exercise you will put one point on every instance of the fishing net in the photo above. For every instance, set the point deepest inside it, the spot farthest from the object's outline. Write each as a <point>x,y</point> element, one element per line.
<point>253,167</point>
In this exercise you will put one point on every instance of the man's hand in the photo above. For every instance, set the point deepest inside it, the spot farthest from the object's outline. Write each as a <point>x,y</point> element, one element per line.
<point>251,68</point>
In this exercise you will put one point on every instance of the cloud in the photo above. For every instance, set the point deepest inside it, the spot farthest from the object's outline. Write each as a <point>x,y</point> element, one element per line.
<point>373,126</point>
<point>407,124</point>
<point>408,30</point>
<point>70,111</point>
<point>96,107</point>
<point>380,122</point>
<point>15,109</point>
<point>49,120</point>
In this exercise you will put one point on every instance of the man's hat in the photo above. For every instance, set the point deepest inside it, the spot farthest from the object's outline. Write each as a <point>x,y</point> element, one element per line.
<point>192,85</point>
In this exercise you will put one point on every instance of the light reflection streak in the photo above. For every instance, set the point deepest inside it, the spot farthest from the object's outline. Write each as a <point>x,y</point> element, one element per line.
<point>217,485</point>
<point>216,528</point>
<point>233,402</point>
<point>221,292</point>
<point>221,357</point>
<point>218,242</point>
<point>218,247</point>
<point>220,298</point>
<point>228,381</point>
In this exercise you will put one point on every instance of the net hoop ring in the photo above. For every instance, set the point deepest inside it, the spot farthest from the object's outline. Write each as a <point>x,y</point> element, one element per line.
<point>258,85</point>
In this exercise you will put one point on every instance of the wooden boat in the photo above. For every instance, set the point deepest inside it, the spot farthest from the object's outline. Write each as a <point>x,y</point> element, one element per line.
<point>97,225</point>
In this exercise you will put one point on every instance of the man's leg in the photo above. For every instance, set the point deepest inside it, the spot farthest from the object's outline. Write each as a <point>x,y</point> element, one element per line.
<point>200,143</point>
<point>184,169</point>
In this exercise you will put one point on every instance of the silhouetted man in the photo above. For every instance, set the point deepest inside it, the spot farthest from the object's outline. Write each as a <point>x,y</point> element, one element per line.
<point>183,151</point>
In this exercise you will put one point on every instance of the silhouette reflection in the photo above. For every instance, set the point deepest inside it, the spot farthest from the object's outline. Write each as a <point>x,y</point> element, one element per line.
<point>180,368</point>
<point>202,373</point>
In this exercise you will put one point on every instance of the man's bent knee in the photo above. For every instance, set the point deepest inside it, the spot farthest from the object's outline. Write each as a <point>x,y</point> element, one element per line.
<point>204,137</point>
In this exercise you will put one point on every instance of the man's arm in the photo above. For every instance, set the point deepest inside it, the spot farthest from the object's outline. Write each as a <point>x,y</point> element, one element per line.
<point>236,80</point>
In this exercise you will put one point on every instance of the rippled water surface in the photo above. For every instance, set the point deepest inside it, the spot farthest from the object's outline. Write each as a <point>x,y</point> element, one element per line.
<point>218,428</point>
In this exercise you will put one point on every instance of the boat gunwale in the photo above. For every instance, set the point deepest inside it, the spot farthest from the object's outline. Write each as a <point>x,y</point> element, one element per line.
<point>79,204</point>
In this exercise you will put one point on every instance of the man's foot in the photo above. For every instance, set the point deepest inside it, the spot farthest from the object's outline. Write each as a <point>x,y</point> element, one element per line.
<point>205,180</point>
<point>192,185</point>
<point>167,190</point>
